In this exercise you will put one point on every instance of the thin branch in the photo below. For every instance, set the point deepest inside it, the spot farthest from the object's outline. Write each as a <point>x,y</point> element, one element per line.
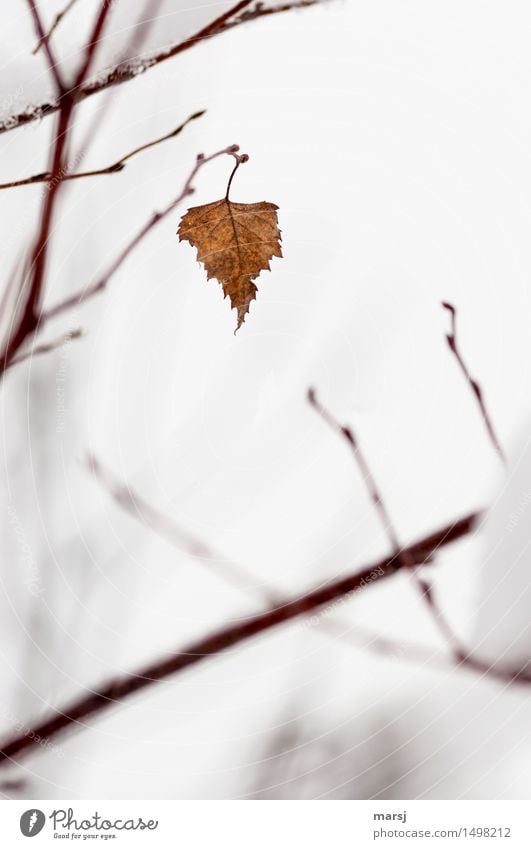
<point>116,690</point>
<point>147,18</point>
<point>451,338</point>
<point>16,273</point>
<point>260,10</point>
<point>117,166</point>
<point>167,529</point>
<point>47,348</point>
<point>461,655</point>
<point>28,316</point>
<point>125,72</point>
<point>145,21</point>
<point>368,479</point>
<point>32,286</point>
<point>362,638</point>
<point>50,56</point>
<point>99,286</point>
<point>44,39</point>
<point>240,578</point>
<point>92,45</point>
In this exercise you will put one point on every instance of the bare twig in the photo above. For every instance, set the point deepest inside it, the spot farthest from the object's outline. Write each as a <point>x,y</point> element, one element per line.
<point>241,578</point>
<point>260,10</point>
<point>124,72</point>
<point>44,39</point>
<point>368,479</point>
<point>364,639</point>
<point>117,166</point>
<point>91,46</point>
<point>97,287</point>
<point>26,322</point>
<point>451,338</point>
<point>32,285</point>
<point>47,348</point>
<point>144,23</point>
<point>167,529</point>
<point>115,691</point>
<point>52,61</point>
<point>28,314</point>
<point>461,655</point>
<point>404,560</point>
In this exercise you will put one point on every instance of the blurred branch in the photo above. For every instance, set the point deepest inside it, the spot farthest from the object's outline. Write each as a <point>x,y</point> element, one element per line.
<point>367,640</point>
<point>44,39</point>
<point>99,286</point>
<point>260,10</point>
<point>240,578</point>
<point>117,166</point>
<point>50,56</point>
<point>144,23</point>
<point>47,348</point>
<point>167,529</point>
<point>368,479</point>
<point>26,318</point>
<point>451,338</point>
<point>125,71</point>
<point>405,561</point>
<point>28,308</point>
<point>91,46</point>
<point>219,641</point>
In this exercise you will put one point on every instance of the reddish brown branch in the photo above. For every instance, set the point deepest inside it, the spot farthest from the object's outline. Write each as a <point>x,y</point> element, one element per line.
<point>27,319</point>
<point>44,39</point>
<point>115,691</point>
<point>117,166</point>
<point>461,655</point>
<point>123,72</point>
<point>366,474</point>
<point>260,10</point>
<point>28,313</point>
<point>451,338</point>
<point>240,578</point>
<point>52,61</point>
<point>404,560</point>
<point>92,45</point>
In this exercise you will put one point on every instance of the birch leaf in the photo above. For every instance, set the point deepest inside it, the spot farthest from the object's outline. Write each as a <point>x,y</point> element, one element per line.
<point>235,242</point>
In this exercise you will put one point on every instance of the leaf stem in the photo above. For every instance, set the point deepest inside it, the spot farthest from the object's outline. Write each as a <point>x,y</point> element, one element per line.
<point>239,160</point>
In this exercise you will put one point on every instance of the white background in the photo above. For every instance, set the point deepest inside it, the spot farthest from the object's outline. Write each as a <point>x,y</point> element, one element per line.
<point>395,139</point>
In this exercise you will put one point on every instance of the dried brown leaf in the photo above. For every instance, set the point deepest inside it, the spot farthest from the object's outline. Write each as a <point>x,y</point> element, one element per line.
<point>235,242</point>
